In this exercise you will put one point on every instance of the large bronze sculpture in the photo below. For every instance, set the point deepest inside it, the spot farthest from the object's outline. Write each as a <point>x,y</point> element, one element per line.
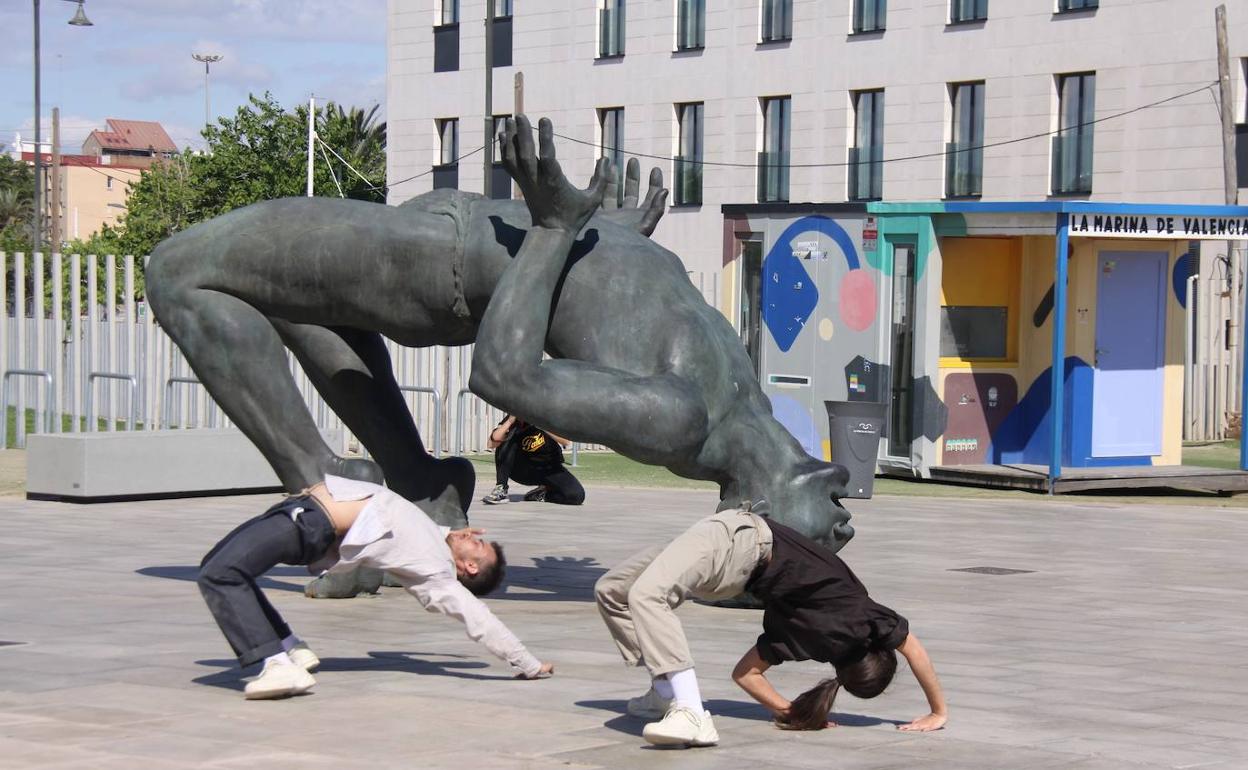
<point>639,361</point>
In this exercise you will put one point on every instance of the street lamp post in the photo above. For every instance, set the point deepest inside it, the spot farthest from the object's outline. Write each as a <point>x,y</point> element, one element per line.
<point>80,20</point>
<point>208,59</point>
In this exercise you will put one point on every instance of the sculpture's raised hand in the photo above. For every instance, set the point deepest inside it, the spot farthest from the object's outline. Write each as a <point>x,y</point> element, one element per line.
<point>643,218</point>
<point>553,201</point>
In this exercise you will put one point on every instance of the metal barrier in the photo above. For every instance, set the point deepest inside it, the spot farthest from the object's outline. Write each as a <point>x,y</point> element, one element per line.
<point>134,398</point>
<point>166,411</point>
<point>20,421</point>
<point>437,413</point>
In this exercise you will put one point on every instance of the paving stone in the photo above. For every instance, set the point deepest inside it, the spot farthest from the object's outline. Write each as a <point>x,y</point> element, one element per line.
<point>1122,649</point>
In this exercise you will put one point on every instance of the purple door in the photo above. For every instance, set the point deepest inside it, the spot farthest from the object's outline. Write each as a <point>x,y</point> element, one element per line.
<point>1127,386</point>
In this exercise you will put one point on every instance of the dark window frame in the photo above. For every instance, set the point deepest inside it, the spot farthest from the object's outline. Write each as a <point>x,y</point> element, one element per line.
<point>867,153</point>
<point>968,11</point>
<point>870,16</point>
<point>611,19</point>
<point>687,165</point>
<point>1073,148</point>
<point>964,159</point>
<point>690,25</point>
<point>774,159</point>
<point>775,21</point>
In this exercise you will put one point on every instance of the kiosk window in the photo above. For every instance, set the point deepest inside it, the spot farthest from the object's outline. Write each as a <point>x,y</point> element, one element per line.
<point>969,333</point>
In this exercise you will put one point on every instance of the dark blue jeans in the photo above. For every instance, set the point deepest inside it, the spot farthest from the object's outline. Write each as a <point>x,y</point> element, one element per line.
<point>295,531</point>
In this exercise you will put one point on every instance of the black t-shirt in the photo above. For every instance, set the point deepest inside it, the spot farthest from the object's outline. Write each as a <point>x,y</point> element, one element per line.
<point>815,608</point>
<point>536,447</point>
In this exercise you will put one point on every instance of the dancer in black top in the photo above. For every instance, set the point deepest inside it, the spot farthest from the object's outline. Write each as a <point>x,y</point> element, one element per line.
<point>530,455</point>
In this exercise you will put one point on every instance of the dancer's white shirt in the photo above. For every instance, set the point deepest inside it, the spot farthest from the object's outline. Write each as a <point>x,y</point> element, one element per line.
<point>392,534</point>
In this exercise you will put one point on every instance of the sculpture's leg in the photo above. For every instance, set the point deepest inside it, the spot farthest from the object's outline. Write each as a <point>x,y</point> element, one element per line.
<point>660,419</point>
<point>238,356</point>
<point>352,371</point>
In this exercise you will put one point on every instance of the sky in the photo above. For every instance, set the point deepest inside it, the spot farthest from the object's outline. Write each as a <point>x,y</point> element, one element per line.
<point>135,62</point>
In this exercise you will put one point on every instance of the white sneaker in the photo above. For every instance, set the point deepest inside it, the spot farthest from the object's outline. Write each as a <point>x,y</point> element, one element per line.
<point>279,680</point>
<point>649,706</point>
<point>303,657</point>
<point>682,726</point>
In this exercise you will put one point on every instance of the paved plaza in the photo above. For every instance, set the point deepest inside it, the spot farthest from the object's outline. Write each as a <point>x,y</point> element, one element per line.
<point>1122,645</point>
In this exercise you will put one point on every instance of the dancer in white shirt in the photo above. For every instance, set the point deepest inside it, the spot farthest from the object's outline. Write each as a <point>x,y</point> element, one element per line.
<point>342,524</point>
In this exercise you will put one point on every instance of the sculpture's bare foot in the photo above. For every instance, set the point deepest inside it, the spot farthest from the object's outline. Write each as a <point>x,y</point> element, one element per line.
<point>356,468</point>
<point>642,218</point>
<point>553,201</point>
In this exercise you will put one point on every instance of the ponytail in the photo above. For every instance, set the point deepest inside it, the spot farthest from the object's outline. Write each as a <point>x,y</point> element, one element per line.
<point>864,678</point>
<point>809,711</point>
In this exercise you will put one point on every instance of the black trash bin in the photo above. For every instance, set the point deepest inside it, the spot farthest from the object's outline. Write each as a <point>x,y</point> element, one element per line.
<point>854,429</point>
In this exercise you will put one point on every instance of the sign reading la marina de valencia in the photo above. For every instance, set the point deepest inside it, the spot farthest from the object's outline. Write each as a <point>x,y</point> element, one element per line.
<point>1158,226</point>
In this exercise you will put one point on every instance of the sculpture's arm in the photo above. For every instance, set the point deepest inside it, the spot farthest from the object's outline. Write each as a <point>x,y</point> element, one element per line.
<point>644,217</point>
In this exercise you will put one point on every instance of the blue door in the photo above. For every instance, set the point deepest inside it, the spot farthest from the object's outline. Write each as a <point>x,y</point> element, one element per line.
<point>1128,385</point>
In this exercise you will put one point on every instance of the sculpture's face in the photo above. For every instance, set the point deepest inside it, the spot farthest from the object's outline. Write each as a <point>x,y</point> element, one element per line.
<point>807,503</point>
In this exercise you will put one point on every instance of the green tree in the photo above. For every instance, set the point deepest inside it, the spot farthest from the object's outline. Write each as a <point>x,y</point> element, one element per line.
<point>259,153</point>
<point>17,192</point>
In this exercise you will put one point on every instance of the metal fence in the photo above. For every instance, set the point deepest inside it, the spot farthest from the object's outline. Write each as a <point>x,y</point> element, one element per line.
<point>1214,351</point>
<point>79,347</point>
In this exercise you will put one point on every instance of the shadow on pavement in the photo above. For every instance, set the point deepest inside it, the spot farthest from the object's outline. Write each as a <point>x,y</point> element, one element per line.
<point>188,572</point>
<point>400,662</point>
<point>553,579</point>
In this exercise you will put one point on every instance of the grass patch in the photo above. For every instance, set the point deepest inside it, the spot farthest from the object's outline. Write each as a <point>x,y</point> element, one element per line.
<point>1221,454</point>
<point>67,424</point>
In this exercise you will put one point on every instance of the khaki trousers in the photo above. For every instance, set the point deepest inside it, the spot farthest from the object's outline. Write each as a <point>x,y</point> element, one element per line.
<point>713,559</point>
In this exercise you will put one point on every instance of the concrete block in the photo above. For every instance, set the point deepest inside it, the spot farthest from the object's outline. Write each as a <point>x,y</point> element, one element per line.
<point>140,465</point>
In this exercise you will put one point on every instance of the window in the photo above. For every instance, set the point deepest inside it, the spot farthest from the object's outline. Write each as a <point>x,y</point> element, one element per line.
<point>1076,5</point>
<point>777,22</point>
<point>446,172</point>
<point>611,133</point>
<point>450,12</point>
<point>964,159</point>
<point>689,160</point>
<point>502,8</point>
<point>979,290</point>
<point>610,28</point>
<point>866,157</point>
<point>690,24</point>
<point>869,15</point>
<point>967,10</point>
<point>446,37</point>
<point>499,180</point>
<point>1072,146</point>
<point>773,161</point>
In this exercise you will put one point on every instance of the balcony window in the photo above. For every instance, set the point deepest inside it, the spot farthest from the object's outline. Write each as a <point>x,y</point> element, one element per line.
<point>866,157</point>
<point>610,28</point>
<point>446,37</point>
<point>690,24</point>
<point>869,15</point>
<point>964,159</point>
<point>502,8</point>
<point>446,172</point>
<point>611,133</point>
<point>777,22</point>
<point>967,10</point>
<point>773,161</point>
<point>500,180</point>
<point>1072,146</point>
<point>449,13</point>
<point>1076,5</point>
<point>688,163</point>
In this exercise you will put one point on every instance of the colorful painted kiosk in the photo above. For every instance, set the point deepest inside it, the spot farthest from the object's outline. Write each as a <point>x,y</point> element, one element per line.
<point>953,313</point>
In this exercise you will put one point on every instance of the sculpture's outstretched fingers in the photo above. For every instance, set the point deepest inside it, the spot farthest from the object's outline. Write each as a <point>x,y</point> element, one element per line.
<point>655,204</point>
<point>632,183</point>
<point>611,196</point>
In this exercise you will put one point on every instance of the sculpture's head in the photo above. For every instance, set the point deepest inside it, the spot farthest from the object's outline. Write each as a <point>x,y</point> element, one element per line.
<point>807,502</point>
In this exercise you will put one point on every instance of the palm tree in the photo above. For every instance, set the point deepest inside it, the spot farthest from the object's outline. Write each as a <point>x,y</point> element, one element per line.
<point>360,138</point>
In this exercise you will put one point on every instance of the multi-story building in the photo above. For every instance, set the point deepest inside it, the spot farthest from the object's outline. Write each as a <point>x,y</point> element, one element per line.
<point>937,145</point>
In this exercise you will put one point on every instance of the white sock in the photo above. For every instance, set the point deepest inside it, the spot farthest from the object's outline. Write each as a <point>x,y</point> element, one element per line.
<point>663,686</point>
<point>281,657</point>
<point>290,642</point>
<point>685,689</point>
